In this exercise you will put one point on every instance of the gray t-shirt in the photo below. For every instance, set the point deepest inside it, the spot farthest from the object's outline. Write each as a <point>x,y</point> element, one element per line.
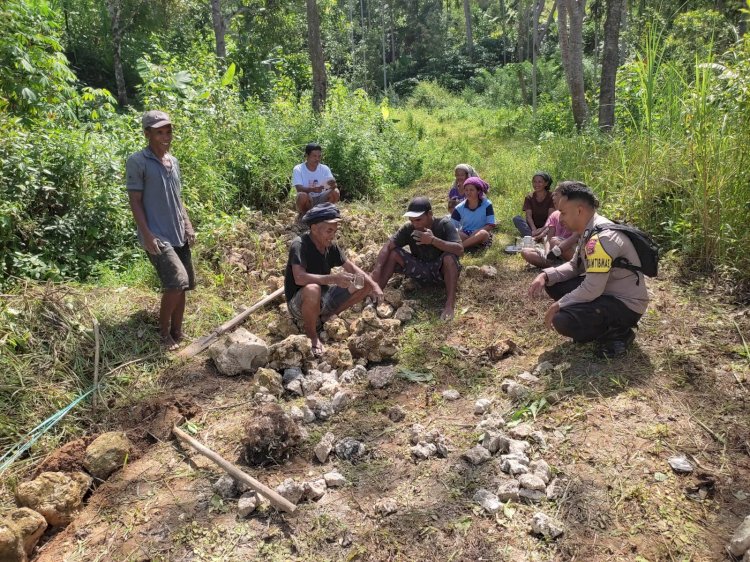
<point>161,195</point>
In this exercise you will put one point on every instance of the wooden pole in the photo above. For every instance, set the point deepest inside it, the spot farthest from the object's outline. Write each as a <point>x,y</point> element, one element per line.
<point>276,499</point>
<point>197,346</point>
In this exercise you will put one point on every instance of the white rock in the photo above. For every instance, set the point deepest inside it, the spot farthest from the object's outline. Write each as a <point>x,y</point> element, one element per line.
<point>384,310</point>
<point>533,496</point>
<point>324,447</point>
<point>508,491</point>
<point>528,378</point>
<point>477,455</point>
<point>451,394</point>
<point>423,451</point>
<point>488,271</point>
<point>329,388</point>
<point>308,416</point>
<point>740,541</point>
<point>515,390</point>
<point>490,423</point>
<point>341,400</point>
<point>518,447</point>
<point>538,438</point>
<point>314,490</point>
<point>556,489</point>
<point>296,414</point>
<point>517,457</point>
<point>404,313</point>
<point>521,431</point>
<point>290,490</point>
<point>380,377</point>
<point>247,503</point>
<point>482,406</point>
<point>416,432</point>
<point>239,352</point>
<point>532,482</point>
<point>225,486</point>
<point>386,506</point>
<point>543,368</point>
<point>295,387</point>
<point>334,479</point>
<point>541,469</point>
<point>680,464</point>
<point>487,500</point>
<point>542,524</point>
<point>495,442</point>
<point>513,467</point>
<point>353,375</point>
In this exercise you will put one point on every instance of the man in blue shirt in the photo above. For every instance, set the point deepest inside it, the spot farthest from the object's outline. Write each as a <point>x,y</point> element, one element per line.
<point>164,228</point>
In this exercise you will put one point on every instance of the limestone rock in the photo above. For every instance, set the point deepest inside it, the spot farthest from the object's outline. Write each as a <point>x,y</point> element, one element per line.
<point>269,379</point>
<point>106,454</point>
<point>350,449</point>
<point>339,357</point>
<point>394,297</point>
<point>543,368</point>
<point>680,464</point>
<point>11,545</point>
<point>521,431</point>
<point>518,447</point>
<point>296,414</point>
<point>489,501</point>
<point>239,352</point>
<point>556,489</point>
<point>384,310</point>
<point>488,271</point>
<point>495,442</point>
<point>329,388</point>
<point>386,506</point>
<point>374,339</point>
<point>528,378</point>
<point>314,490</point>
<point>541,469</point>
<point>57,496</point>
<point>515,390</point>
<point>283,325</point>
<point>353,375</point>
<point>533,496</point>
<point>322,408</point>
<point>334,479</point>
<point>380,377</point>
<point>508,491</point>
<point>270,436</point>
<point>451,394</point>
<point>423,451</point>
<point>293,351</point>
<point>491,423</point>
<point>226,487</point>
<point>291,374</point>
<point>416,432</point>
<point>308,416</point>
<point>472,271</point>
<point>324,448</point>
<point>740,541</point>
<point>482,406</point>
<point>477,455</point>
<point>513,467</point>
<point>29,526</point>
<point>247,503</point>
<point>337,329</point>
<point>291,490</point>
<point>532,482</point>
<point>542,524</point>
<point>341,400</point>
<point>404,313</point>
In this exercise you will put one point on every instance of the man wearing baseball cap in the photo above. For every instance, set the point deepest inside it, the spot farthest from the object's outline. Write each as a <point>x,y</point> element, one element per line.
<point>313,293</point>
<point>434,249</point>
<point>164,228</point>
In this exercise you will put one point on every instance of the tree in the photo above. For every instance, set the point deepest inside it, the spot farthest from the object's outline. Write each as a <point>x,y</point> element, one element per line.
<point>469,36</point>
<point>570,30</point>
<point>320,82</point>
<point>220,29</point>
<point>610,61</point>
<point>119,26</point>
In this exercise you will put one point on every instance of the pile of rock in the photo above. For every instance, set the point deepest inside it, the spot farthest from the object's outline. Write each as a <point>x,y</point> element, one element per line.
<point>427,444</point>
<point>312,490</point>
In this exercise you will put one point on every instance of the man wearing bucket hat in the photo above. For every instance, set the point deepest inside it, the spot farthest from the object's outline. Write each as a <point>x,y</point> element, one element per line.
<point>164,228</point>
<point>313,293</point>
<point>434,249</point>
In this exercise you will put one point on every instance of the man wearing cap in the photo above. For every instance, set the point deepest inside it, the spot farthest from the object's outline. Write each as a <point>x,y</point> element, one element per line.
<point>313,293</point>
<point>435,247</point>
<point>313,181</point>
<point>164,228</point>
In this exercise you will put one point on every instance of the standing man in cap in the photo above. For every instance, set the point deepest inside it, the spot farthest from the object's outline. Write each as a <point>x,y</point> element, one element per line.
<point>435,247</point>
<point>595,299</point>
<point>313,293</point>
<point>313,181</point>
<point>164,228</point>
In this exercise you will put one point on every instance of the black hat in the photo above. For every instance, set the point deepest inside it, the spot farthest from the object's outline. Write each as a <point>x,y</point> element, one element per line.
<point>418,207</point>
<point>325,212</point>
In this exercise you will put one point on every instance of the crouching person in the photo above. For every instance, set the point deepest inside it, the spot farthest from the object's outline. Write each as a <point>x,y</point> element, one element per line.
<point>595,300</point>
<point>313,293</point>
<point>434,249</point>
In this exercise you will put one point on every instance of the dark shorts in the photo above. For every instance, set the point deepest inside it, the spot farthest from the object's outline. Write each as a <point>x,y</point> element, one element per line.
<point>423,271</point>
<point>483,246</point>
<point>331,298</point>
<point>322,197</point>
<point>174,266</point>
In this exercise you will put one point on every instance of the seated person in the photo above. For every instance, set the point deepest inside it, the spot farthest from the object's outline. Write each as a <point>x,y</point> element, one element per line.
<point>595,300</point>
<point>312,293</point>
<point>474,217</point>
<point>313,181</point>
<point>435,247</point>
<point>456,192</point>
<point>560,242</point>
<point>537,206</point>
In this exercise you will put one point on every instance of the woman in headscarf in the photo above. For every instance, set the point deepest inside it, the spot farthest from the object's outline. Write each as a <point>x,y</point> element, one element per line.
<point>537,206</point>
<point>456,193</point>
<point>474,217</point>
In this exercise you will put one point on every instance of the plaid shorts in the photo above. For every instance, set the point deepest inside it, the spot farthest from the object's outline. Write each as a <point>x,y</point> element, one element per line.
<point>423,271</point>
<point>331,297</point>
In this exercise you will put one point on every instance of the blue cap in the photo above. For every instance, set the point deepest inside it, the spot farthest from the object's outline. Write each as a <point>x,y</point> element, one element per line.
<point>325,212</point>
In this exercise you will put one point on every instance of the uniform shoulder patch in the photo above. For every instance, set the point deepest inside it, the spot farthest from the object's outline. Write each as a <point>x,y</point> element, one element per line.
<point>597,258</point>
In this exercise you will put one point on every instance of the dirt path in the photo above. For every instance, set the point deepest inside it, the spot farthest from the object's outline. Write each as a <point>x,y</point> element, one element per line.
<point>682,389</point>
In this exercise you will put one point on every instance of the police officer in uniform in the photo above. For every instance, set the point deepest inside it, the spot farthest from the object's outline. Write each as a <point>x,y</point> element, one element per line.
<point>594,301</point>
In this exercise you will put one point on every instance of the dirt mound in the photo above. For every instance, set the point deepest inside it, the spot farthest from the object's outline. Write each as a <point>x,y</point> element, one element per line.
<point>68,458</point>
<point>154,419</point>
<point>270,436</point>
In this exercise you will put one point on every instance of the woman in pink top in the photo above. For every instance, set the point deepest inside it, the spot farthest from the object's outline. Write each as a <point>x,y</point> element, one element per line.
<point>560,242</point>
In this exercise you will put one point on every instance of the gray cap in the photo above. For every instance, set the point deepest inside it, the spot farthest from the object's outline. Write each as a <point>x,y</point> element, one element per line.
<point>155,119</point>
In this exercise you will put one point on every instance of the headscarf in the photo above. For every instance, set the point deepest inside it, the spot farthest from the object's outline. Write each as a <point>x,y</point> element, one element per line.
<point>482,186</point>
<point>325,212</point>
<point>470,173</point>
<point>546,177</point>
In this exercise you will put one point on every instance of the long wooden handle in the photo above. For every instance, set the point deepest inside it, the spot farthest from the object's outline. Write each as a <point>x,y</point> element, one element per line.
<point>276,499</point>
<point>197,346</point>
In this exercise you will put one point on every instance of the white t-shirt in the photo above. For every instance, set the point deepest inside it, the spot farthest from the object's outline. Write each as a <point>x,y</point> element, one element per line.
<point>303,176</point>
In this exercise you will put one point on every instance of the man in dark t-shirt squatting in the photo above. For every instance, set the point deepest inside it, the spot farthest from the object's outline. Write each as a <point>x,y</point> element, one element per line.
<point>434,249</point>
<point>312,293</point>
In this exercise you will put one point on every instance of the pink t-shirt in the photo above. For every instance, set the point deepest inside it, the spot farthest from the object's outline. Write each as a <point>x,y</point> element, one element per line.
<point>553,221</point>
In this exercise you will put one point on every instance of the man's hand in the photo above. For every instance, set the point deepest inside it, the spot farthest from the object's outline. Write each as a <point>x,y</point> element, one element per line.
<point>550,314</point>
<point>343,279</point>
<point>425,237</point>
<point>376,291</point>
<point>315,187</point>
<point>537,285</point>
<point>151,244</point>
<point>190,234</point>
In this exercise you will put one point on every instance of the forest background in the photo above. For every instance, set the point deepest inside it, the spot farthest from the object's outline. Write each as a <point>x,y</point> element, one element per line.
<point>648,102</point>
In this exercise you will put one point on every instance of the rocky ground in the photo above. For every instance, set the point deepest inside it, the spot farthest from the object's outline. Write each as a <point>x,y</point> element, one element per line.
<point>413,439</point>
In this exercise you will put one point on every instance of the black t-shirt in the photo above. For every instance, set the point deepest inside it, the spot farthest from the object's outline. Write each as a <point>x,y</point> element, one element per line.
<point>442,228</point>
<point>303,252</point>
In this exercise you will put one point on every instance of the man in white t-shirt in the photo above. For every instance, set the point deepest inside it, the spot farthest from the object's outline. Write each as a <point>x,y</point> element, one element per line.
<point>313,181</point>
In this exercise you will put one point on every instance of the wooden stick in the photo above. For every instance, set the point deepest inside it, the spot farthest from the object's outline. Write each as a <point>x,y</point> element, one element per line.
<point>96,364</point>
<point>197,346</point>
<point>276,499</point>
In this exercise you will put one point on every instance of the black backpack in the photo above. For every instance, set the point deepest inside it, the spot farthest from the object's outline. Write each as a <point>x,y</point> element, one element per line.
<point>647,250</point>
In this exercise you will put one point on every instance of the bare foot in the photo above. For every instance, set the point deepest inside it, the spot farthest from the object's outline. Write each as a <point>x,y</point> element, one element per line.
<point>177,336</point>
<point>168,344</point>
<point>317,348</point>
<point>447,314</point>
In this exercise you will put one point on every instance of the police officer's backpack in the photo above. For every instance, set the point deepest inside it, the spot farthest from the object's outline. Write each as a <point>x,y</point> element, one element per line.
<point>647,250</point>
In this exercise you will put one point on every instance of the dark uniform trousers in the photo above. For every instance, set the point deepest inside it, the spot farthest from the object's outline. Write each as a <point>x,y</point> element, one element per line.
<point>605,318</point>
